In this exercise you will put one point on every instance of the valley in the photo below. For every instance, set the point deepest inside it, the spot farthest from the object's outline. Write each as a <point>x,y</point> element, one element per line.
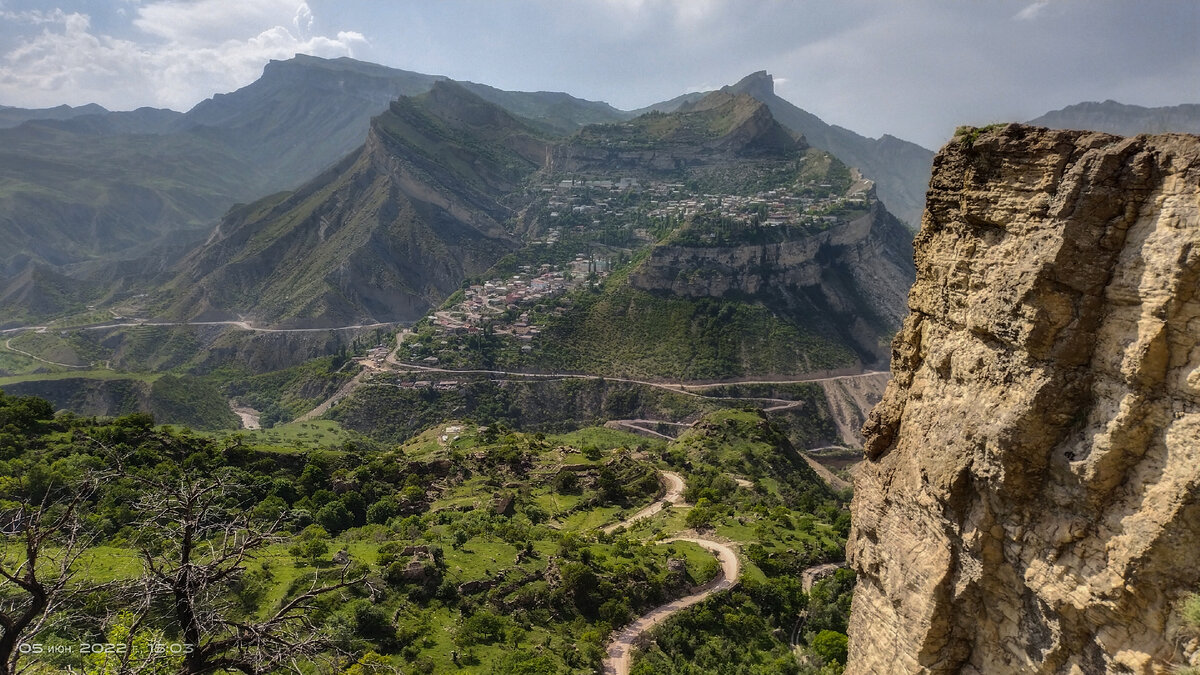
<point>542,393</point>
<point>394,373</point>
<point>579,344</point>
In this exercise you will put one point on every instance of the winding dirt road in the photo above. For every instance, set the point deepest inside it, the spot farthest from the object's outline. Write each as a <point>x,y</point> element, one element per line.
<point>674,495</point>
<point>620,649</point>
<point>9,347</point>
<point>620,646</point>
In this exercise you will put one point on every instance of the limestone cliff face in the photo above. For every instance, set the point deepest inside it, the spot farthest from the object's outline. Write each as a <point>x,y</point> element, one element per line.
<point>1030,501</point>
<point>852,277</point>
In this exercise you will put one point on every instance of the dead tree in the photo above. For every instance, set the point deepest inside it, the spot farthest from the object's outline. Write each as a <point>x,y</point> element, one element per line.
<point>39,547</point>
<point>195,542</point>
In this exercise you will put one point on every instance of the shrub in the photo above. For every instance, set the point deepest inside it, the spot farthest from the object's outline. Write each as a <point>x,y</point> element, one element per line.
<point>335,517</point>
<point>482,628</point>
<point>831,646</point>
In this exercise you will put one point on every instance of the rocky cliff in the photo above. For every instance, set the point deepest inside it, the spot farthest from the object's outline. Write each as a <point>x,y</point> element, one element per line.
<point>1030,501</point>
<point>847,281</point>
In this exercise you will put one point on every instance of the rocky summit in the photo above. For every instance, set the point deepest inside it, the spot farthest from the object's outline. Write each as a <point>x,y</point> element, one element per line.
<point>1030,501</point>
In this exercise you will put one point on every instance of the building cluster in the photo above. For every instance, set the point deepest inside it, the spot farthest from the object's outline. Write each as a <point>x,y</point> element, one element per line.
<point>497,299</point>
<point>808,204</point>
<point>772,208</point>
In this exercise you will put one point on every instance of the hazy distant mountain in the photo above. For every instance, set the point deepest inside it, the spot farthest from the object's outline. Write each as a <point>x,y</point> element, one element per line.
<point>389,231</point>
<point>1122,119</point>
<point>84,191</point>
<point>554,111</point>
<point>11,117</point>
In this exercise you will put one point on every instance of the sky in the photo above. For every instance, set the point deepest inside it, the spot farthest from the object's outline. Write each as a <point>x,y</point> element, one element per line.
<point>914,69</point>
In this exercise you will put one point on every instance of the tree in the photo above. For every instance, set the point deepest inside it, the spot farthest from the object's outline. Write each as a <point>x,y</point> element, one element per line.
<point>195,543</point>
<point>39,546</point>
<point>831,646</point>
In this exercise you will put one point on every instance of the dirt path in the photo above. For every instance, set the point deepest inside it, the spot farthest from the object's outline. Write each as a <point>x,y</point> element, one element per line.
<point>620,649</point>
<point>630,426</point>
<point>249,416</point>
<point>345,390</point>
<point>22,352</point>
<point>674,495</point>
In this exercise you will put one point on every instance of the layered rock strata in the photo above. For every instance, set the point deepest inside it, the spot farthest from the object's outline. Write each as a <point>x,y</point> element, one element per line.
<point>848,281</point>
<point>1030,499</point>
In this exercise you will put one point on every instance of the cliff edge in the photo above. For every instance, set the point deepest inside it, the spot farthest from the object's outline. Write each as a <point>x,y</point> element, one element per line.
<point>1030,500</point>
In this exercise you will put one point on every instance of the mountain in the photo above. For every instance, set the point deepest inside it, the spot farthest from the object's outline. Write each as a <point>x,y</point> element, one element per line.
<point>303,114</point>
<point>553,111</point>
<point>1123,120</point>
<point>11,117</point>
<point>751,254</point>
<point>899,168</point>
<point>100,195</point>
<point>69,197</point>
<point>389,231</point>
<point>1028,502</point>
<point>714,130</point>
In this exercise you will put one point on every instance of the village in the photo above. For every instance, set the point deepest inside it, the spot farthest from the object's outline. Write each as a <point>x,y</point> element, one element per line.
<point>501,307</point>
<point>813,205</point>
<point>610,218</point>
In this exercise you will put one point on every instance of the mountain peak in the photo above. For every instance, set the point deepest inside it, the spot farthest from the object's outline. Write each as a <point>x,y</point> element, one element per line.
<point>758,85</point>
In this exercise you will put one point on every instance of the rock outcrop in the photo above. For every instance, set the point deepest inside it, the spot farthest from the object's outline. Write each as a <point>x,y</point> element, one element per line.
<point>847,281</point>
<point>1030,501</point>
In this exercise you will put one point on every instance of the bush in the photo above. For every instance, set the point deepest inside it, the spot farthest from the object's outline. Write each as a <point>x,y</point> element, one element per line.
<point>383,510</point>
<point>524,662</point>
<point>831,646</point>
<point>482,628</point>
<point>335,517</point>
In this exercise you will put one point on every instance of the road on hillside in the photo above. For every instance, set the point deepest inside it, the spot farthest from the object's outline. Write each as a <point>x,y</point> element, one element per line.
<point>686,388</point>
<point>244,325</point>
<point>673,496</point>
<point>620,649</point>
<point>9,347</point>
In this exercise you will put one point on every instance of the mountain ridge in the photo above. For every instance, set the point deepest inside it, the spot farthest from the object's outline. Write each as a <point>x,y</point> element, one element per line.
<point>1123,119</point>
<point>384,234</point>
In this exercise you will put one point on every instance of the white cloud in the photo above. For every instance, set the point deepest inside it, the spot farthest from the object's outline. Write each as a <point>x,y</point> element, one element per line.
<point>32,16</point>
<point>192,50</point>
<point>1032,11</point>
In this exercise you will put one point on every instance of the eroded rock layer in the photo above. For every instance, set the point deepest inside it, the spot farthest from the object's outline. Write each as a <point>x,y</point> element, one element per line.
<point>1030,501</point>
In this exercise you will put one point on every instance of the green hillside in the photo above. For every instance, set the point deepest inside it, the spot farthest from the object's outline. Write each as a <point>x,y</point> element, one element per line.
<point>387,233</point>
<point>467,549</point>
<point>621,330</point>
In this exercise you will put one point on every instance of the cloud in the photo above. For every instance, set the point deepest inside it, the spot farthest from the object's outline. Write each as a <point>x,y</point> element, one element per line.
<point>1032,11</point>
<point>188,51</point>
<point>32,16</point>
